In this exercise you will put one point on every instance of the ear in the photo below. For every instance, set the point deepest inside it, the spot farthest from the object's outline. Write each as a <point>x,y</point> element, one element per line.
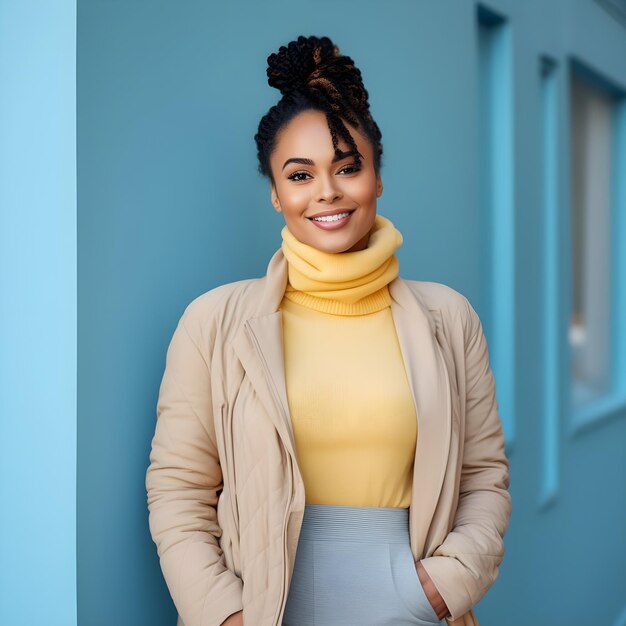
<point>274,198</point>
<point>379,186</point>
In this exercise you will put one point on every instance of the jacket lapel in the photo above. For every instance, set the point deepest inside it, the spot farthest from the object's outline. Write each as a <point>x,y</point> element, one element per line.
<point>430,385</point>
<point>259,346</point>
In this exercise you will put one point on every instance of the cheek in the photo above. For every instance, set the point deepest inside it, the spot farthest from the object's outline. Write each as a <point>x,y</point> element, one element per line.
<point>294,195</point>
<point>364,189</point>
<point>301,194</point>
<point>291,198</point>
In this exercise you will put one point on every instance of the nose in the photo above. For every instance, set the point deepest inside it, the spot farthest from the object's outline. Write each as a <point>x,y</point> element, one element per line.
<point>329,190</point>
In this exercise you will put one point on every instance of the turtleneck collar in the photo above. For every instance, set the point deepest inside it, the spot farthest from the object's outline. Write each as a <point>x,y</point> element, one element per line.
<point>344,283</point>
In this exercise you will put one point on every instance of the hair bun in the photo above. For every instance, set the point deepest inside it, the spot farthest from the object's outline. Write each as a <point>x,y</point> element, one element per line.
<point>302,60</point>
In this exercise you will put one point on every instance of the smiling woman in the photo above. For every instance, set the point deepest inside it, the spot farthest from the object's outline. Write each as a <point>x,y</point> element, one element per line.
<point>328,448</point>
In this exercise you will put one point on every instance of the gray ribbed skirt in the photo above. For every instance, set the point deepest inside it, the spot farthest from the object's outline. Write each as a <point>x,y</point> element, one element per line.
<point>354,567</point>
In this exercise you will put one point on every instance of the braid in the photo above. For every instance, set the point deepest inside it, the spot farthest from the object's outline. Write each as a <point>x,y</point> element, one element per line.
<point>310,73</point>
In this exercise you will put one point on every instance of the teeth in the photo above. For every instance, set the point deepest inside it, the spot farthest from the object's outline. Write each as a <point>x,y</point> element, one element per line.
<point>331,218</point>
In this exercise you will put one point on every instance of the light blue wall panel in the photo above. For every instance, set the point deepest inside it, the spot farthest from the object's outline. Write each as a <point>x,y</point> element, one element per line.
<point>38,313</point>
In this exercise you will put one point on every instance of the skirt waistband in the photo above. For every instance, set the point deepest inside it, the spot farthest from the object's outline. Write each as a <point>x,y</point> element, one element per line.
<point>373,524</point>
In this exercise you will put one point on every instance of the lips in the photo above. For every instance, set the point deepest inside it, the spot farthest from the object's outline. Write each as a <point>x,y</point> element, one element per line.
<point>328,213</point>
<point>333,224</point>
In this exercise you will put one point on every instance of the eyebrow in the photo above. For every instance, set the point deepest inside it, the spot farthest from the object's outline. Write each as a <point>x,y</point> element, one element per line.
<point>338,157</point>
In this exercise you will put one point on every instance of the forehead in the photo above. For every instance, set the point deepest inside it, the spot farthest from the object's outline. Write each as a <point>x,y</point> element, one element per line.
<point>308,135</point>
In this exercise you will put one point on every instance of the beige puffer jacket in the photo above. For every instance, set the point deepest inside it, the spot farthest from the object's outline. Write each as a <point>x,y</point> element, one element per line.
<point>225,496</point>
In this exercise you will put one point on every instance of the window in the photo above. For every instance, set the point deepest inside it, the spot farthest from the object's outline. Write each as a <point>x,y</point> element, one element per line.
<point>594,337</point>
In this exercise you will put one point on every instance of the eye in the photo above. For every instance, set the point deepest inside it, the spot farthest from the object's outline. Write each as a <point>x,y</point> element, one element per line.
<point>293,176</point>
<point>353,166</point>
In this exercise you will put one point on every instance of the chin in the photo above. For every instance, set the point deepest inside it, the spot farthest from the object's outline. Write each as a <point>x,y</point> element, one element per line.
<point>327,246</point>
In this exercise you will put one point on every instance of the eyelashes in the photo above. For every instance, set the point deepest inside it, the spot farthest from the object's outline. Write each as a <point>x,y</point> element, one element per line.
<point>353,167</point>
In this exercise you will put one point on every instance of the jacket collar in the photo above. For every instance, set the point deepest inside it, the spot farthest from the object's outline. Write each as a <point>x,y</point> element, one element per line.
<point>277,275</point>
<point>259,346</point>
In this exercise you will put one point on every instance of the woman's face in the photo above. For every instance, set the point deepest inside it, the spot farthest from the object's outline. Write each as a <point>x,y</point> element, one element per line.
<point>319,186</point>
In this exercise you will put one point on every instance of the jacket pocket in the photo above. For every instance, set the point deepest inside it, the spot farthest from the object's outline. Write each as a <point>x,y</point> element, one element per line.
<point>229,517</point>
<point>228,471</point>
<point>223,519</point>
<point>229,541</point>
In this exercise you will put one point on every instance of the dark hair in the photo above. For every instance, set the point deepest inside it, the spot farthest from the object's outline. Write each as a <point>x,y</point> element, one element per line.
<point>311,74</point>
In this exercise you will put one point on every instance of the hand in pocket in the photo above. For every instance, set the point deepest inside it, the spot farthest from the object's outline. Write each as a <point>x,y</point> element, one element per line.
<point>437,605</point>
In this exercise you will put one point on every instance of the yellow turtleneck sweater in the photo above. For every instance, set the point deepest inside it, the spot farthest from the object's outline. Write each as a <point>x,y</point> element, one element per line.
<point>352,411</point>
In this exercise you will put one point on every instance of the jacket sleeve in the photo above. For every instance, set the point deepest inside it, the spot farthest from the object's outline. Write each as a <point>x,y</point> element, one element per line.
<point>466,564</point>
<point>182,483</point>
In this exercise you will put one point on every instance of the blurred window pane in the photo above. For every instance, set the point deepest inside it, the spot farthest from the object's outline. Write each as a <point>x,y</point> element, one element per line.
<point>591,118</point>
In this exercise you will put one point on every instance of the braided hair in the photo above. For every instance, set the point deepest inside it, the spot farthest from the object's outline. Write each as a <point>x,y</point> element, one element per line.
<point>312,75</point>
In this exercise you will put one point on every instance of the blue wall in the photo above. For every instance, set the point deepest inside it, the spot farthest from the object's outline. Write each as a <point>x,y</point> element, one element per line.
<point>142,167</point>
<point>170,95</point>
<point>38,313</point>
<point>169,99</point>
